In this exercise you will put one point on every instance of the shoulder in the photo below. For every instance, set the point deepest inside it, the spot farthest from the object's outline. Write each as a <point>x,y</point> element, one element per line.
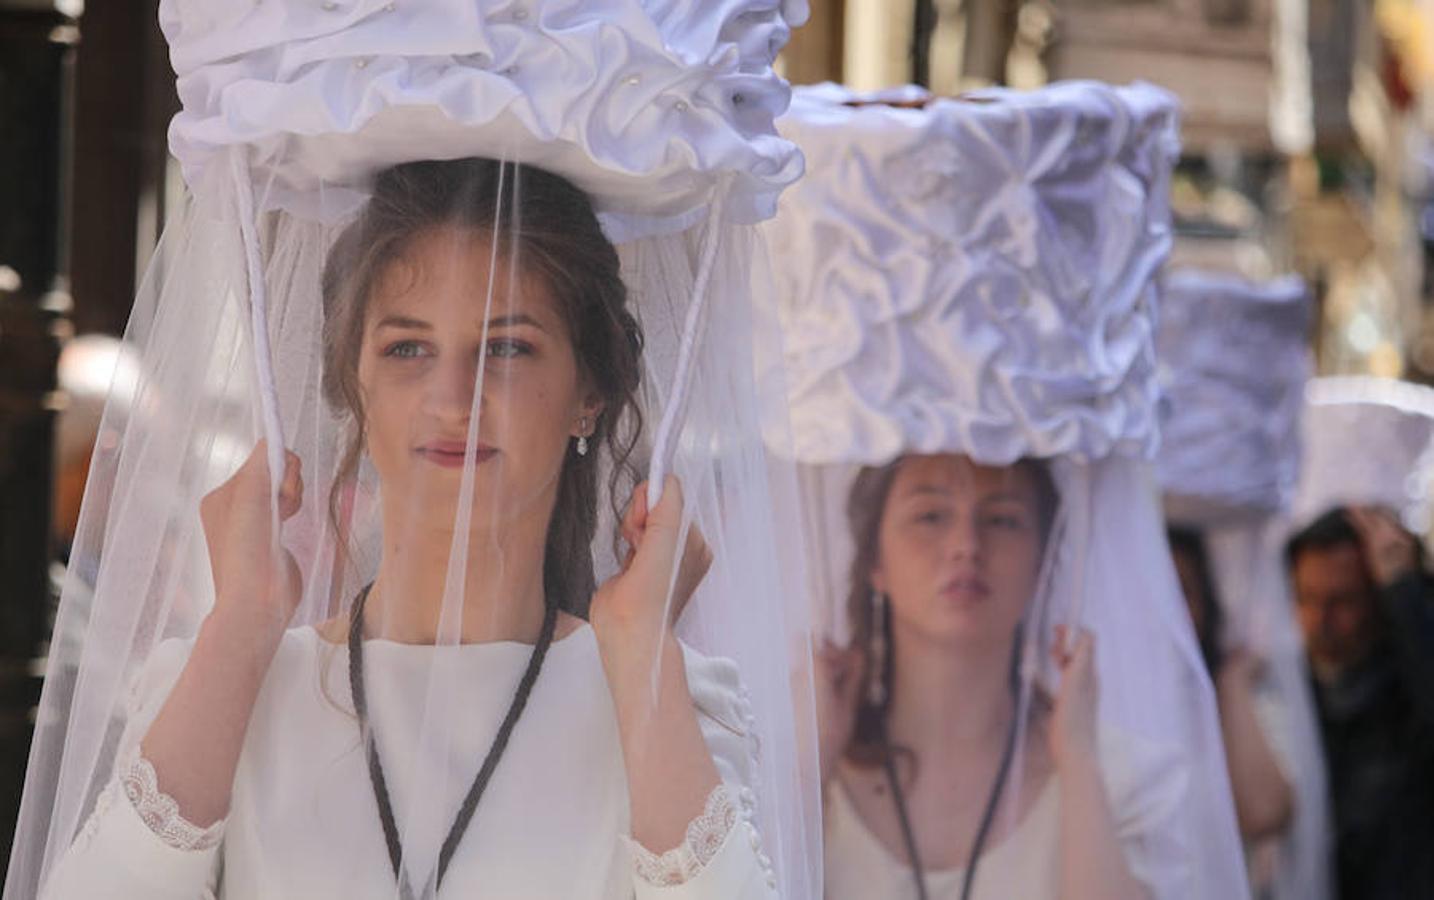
<point>725,714</point>
<point>1146,780</point>
<point>154,677</point>
<point>717,690</point>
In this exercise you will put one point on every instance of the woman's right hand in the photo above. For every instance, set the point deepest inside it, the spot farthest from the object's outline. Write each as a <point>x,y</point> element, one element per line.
<point>256,580</point>
<point>1073,718</point>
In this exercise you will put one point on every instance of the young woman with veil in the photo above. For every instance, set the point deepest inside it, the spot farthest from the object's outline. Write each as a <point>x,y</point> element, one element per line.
<point>1236,359</point>
<point>1019,708</point>
<point>381,611</point>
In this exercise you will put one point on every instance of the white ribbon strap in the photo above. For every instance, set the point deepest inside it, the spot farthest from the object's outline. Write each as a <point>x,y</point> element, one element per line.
<point>692,328</point>
<point>259,317</point>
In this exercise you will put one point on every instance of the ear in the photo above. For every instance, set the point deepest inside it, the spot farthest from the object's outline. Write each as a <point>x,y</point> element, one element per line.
<point>585,419</point>
<point>878,580</point>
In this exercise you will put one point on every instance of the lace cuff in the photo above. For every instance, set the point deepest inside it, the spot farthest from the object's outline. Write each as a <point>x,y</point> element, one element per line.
<point>705,836</point>
<point>160,811</point>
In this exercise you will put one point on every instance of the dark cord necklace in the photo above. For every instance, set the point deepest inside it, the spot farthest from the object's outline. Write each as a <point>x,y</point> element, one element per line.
<point>490,762</point>
<point>988,815</point>
<point>968,881</point>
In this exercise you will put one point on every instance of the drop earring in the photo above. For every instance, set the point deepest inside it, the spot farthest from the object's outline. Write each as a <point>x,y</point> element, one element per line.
<point>583,438</point>
<point>876,677</point>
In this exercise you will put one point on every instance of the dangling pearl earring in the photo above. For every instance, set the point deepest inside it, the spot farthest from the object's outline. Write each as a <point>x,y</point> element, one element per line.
<point>876,677</point>
<point>582,438</point>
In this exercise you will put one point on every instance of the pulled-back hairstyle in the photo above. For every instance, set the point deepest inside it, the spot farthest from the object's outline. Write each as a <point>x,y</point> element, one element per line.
<point>551,225</point>
<point>865,509</point>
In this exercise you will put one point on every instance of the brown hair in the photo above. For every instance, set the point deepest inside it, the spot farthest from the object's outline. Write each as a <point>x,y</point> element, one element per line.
<point>552,223</point>
<point>865,509</point>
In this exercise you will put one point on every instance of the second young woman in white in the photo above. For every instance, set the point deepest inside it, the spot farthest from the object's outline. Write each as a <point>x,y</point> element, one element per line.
<point>919,718</point>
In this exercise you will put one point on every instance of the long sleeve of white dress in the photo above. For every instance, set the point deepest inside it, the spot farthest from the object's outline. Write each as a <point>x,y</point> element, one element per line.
<point>136,843</point>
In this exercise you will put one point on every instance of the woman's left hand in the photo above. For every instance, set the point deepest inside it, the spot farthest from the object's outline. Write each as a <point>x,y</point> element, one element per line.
<point>1073,721</point>
<point>633,607</point>
<point>670,771</point>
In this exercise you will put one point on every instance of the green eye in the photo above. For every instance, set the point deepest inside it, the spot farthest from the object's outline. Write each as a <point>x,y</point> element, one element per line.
<point>1006,522</point>
<point>507,349</point>
<point>403,350</point>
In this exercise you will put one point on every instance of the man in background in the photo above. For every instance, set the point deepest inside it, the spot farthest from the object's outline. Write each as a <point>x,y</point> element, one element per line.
<point>1366,607</point>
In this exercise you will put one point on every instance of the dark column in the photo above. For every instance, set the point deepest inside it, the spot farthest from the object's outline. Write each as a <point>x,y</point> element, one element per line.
<point>36,67</point>
<point>990,32</point>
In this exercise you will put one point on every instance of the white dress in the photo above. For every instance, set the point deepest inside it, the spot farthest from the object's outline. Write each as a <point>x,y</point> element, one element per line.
<point>303,822</point>
<point>1145,788</point>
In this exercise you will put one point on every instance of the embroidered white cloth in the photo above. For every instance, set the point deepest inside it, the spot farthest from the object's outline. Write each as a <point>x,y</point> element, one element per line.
<point>1234,360</point>
<point>974,275</point>
<point>644,104</point>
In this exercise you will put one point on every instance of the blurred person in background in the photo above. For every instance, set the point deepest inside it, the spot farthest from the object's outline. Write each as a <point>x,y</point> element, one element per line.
<point>1251,715</point>
<point>1364,603</point>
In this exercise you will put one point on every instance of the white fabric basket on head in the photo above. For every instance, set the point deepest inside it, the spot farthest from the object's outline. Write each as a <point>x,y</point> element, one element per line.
<point>450,256</point>
<point>1235,361</point>
<point>977,276</point>
<point>1368,441</point>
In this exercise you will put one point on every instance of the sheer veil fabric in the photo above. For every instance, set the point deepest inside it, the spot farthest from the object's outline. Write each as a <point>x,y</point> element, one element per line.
<point>478,268</point>
<point>1236,364</point>
<point>978,277</point>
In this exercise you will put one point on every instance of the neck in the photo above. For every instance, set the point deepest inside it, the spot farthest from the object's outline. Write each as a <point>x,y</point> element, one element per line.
<point>495,595</point>
<point>948,700</point>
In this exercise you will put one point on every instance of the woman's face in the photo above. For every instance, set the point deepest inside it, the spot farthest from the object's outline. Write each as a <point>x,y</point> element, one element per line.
<point>960,549</point>
<point>423,341</point>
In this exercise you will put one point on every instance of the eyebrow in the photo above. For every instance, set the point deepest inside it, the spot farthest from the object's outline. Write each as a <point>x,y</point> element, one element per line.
<point>513,320</point>
<point>931,490</point>
<point>919,490</point>
<point>402,322</point>
<point>508,321</point>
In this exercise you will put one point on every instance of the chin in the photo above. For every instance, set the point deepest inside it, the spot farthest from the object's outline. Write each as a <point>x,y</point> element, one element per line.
<point>961,629</point>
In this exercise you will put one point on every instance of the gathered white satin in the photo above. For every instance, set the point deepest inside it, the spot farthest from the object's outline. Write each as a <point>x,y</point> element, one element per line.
<point>1234,360</point>
<point>644,104</point>
<point>976,275</point>
<point>1368,440</point>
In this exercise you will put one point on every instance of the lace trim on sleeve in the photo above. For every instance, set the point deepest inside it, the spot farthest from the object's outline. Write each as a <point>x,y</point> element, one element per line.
<point>160,811</point>
<point>705,836</point>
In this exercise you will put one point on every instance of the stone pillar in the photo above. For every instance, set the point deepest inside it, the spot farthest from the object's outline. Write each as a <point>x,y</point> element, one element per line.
<point>37,44</point>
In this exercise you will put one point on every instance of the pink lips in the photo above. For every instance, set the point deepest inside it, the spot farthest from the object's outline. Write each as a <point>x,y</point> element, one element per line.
<point>449,454</point>
<point>966,589</point>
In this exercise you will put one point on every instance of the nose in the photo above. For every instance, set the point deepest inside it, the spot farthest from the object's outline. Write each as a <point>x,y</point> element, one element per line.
<point>450,391</point>
<point>963,539</point>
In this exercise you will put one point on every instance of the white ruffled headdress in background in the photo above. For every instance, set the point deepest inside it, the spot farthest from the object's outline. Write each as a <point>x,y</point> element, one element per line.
<point>1368,440</point>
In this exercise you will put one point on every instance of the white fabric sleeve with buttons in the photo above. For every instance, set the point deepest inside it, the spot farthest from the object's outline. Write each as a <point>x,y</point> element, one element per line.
<point>723,855</point>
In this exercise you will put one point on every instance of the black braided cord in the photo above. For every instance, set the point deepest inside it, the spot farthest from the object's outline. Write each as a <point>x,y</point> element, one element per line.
<point>485,773</point>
